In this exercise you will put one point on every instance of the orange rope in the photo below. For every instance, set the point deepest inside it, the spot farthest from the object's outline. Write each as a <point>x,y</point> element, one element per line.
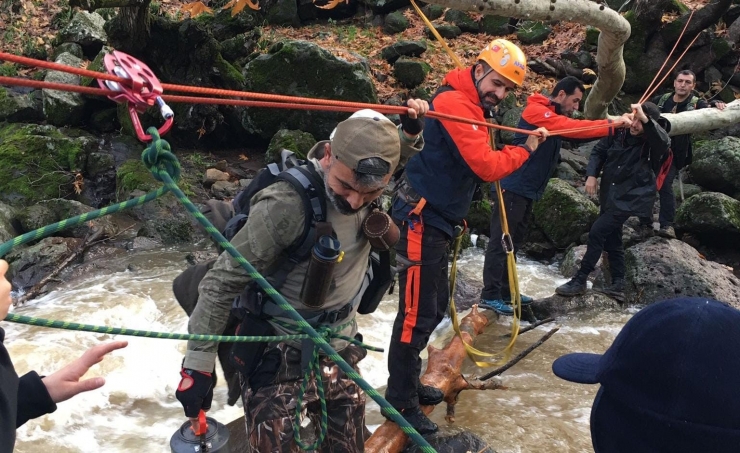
<point>263,99</point>
<point>650,86</point>
<point>674,65</point>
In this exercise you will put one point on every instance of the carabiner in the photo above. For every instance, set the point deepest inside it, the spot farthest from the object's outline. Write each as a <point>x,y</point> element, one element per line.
<point>507,243</point>
<point>141,90</point>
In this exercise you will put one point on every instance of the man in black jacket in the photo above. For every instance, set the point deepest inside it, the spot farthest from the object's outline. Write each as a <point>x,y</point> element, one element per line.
<point>681,99</point>
<point>630,160</point>
<point>31,396</point>
<point>527,184</point>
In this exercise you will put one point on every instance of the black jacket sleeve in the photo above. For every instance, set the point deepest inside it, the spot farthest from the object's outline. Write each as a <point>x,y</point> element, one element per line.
<point>33,399</point>
<point>658,142</point>
<point>598,156</point>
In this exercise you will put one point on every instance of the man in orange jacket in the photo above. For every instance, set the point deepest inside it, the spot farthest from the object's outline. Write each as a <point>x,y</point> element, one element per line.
<point>433,197</point>
<point>526,185</point>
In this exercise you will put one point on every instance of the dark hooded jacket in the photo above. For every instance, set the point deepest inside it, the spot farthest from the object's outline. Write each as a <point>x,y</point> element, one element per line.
<point>628,165</point>
<point>21,399</point>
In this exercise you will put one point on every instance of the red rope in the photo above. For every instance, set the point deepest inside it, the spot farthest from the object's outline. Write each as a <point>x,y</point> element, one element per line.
<point>264,100</point>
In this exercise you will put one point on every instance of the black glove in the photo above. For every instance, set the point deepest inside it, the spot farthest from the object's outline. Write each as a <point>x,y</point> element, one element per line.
<point>195,391</point>
<point>410,125</point>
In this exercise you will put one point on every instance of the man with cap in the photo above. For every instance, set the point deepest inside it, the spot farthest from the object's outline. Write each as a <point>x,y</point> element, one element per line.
<point>628,162</point>
<point>668,381</point>
<point>433,197</point>
<point>355,166</point>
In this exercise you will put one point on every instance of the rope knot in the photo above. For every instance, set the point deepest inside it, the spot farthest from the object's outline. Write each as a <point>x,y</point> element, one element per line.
<point>158,157</point>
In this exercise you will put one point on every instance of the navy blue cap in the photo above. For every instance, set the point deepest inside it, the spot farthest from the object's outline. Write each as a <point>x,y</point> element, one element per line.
<point>670,381</point>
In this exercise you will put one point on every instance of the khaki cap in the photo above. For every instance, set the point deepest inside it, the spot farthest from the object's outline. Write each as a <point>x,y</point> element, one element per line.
<point>363,135</point>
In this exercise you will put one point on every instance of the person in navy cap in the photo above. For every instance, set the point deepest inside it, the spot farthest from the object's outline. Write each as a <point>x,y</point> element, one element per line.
<point>669,382</point>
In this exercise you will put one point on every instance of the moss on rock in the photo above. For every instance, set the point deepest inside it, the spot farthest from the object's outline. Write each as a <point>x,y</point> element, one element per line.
<point>37,163</point>
<point>133,175</point>
<point>297,141</point>
<point>563,213</point>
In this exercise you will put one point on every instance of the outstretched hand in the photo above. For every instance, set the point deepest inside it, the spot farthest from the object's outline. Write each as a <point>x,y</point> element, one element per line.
<point>65,383</point>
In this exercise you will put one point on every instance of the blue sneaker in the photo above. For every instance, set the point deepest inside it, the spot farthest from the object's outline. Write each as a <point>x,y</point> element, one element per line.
<point>526,300</point>
<point>497,305</point>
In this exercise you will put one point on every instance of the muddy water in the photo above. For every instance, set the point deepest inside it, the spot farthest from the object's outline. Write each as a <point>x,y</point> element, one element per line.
<point>136,410</point>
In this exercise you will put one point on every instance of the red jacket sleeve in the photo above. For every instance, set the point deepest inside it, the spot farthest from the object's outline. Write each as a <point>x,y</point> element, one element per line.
<point>540,116</point>
<point>472,140</point>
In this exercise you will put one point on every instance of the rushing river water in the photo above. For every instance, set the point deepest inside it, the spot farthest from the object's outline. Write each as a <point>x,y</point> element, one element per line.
<point>136,410</point>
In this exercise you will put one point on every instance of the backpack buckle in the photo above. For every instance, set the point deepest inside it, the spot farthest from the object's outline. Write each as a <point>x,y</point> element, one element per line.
<point>337,315</point>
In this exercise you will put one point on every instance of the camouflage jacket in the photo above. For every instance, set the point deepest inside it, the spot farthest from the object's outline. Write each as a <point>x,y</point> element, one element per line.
<point>276,220</point>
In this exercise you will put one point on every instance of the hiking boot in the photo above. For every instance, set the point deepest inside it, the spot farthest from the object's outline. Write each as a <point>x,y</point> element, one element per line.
<point>645,231</point>
<point>575,287</point>
<point>615,290</point>
<point>497,305</point>
<point>667,232</point>
<point>526,300</point>
<point>416,418</point>
<point>428,395</point>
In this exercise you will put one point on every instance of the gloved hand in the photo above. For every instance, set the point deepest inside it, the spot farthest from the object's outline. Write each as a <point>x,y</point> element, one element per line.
<point>414,126</point>
<point>195,391</point>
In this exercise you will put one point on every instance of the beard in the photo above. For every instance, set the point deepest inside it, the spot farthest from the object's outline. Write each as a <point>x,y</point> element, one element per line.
<point>339,202</point>
<point>488,101</point>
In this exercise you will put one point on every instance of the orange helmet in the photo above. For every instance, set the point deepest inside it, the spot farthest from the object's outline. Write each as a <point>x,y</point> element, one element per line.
<point>506,58</point>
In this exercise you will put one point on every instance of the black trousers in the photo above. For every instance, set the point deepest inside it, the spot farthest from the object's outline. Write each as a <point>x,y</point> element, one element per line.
<point>667,201</point>
<point>495,271</point>
<point>606,235</point>
<point>421,255</point>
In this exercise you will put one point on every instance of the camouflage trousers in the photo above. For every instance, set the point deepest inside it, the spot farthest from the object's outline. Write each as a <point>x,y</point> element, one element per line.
<point>270,408</point>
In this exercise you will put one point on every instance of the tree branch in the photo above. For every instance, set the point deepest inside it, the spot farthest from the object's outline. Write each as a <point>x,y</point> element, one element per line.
<point>520,356</point>
<point>703,119</point>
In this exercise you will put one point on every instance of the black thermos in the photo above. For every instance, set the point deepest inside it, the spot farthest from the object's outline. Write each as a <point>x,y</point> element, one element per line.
<point>324,256</point>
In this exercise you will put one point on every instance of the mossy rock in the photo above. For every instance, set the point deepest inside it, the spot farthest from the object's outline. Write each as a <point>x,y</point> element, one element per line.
<point>445,31</point>
<point>64,108</point>
<point>410,73</point>
<point>711,216</point>
<point>133,175</point>
<point>105,120</point>
<point>403,49</point>
<point>297,141</point>
<point>716,165</point>
<point>223,25</point>
<point>385,6</point>
<point>301,68</point>
<point>563,213</point>
<point>592,36</point>
<point>462,20</point>
<point>56,210</point>
<point>494,25</point>
<point>479,217</point>
<point>533,32</point>
<point>38,163</point>
<point>18,107</point>
<point>7,229</point>
<point>395,22</point>
<point>85,29</point>
<point>433,11</point>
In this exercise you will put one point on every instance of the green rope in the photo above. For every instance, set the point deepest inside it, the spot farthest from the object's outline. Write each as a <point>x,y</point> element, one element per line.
<point>77,220</point>
<point>12,317</point>
<point>165,167</point>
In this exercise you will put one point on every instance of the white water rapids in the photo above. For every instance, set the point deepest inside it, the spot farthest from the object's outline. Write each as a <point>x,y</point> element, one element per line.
<point>136,410</point>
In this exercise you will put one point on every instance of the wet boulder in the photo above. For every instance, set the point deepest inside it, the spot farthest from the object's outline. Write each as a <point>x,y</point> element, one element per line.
<point>51,211</point>
<point>563,213</point>
<point>300,68</point>
<point>716,165</point>
<point>660,269</point>
<point>30,265</point>
<point>64,108</point>
<point>556,305</point>
<point>712,217</point>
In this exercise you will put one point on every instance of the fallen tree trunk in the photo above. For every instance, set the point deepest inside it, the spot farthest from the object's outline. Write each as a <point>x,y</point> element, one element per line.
<point>703,119</point>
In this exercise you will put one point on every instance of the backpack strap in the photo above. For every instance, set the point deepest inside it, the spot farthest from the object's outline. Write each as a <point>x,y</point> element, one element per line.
<point>309,185</point>
<point>662,100</point>
<point>692,103</point>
